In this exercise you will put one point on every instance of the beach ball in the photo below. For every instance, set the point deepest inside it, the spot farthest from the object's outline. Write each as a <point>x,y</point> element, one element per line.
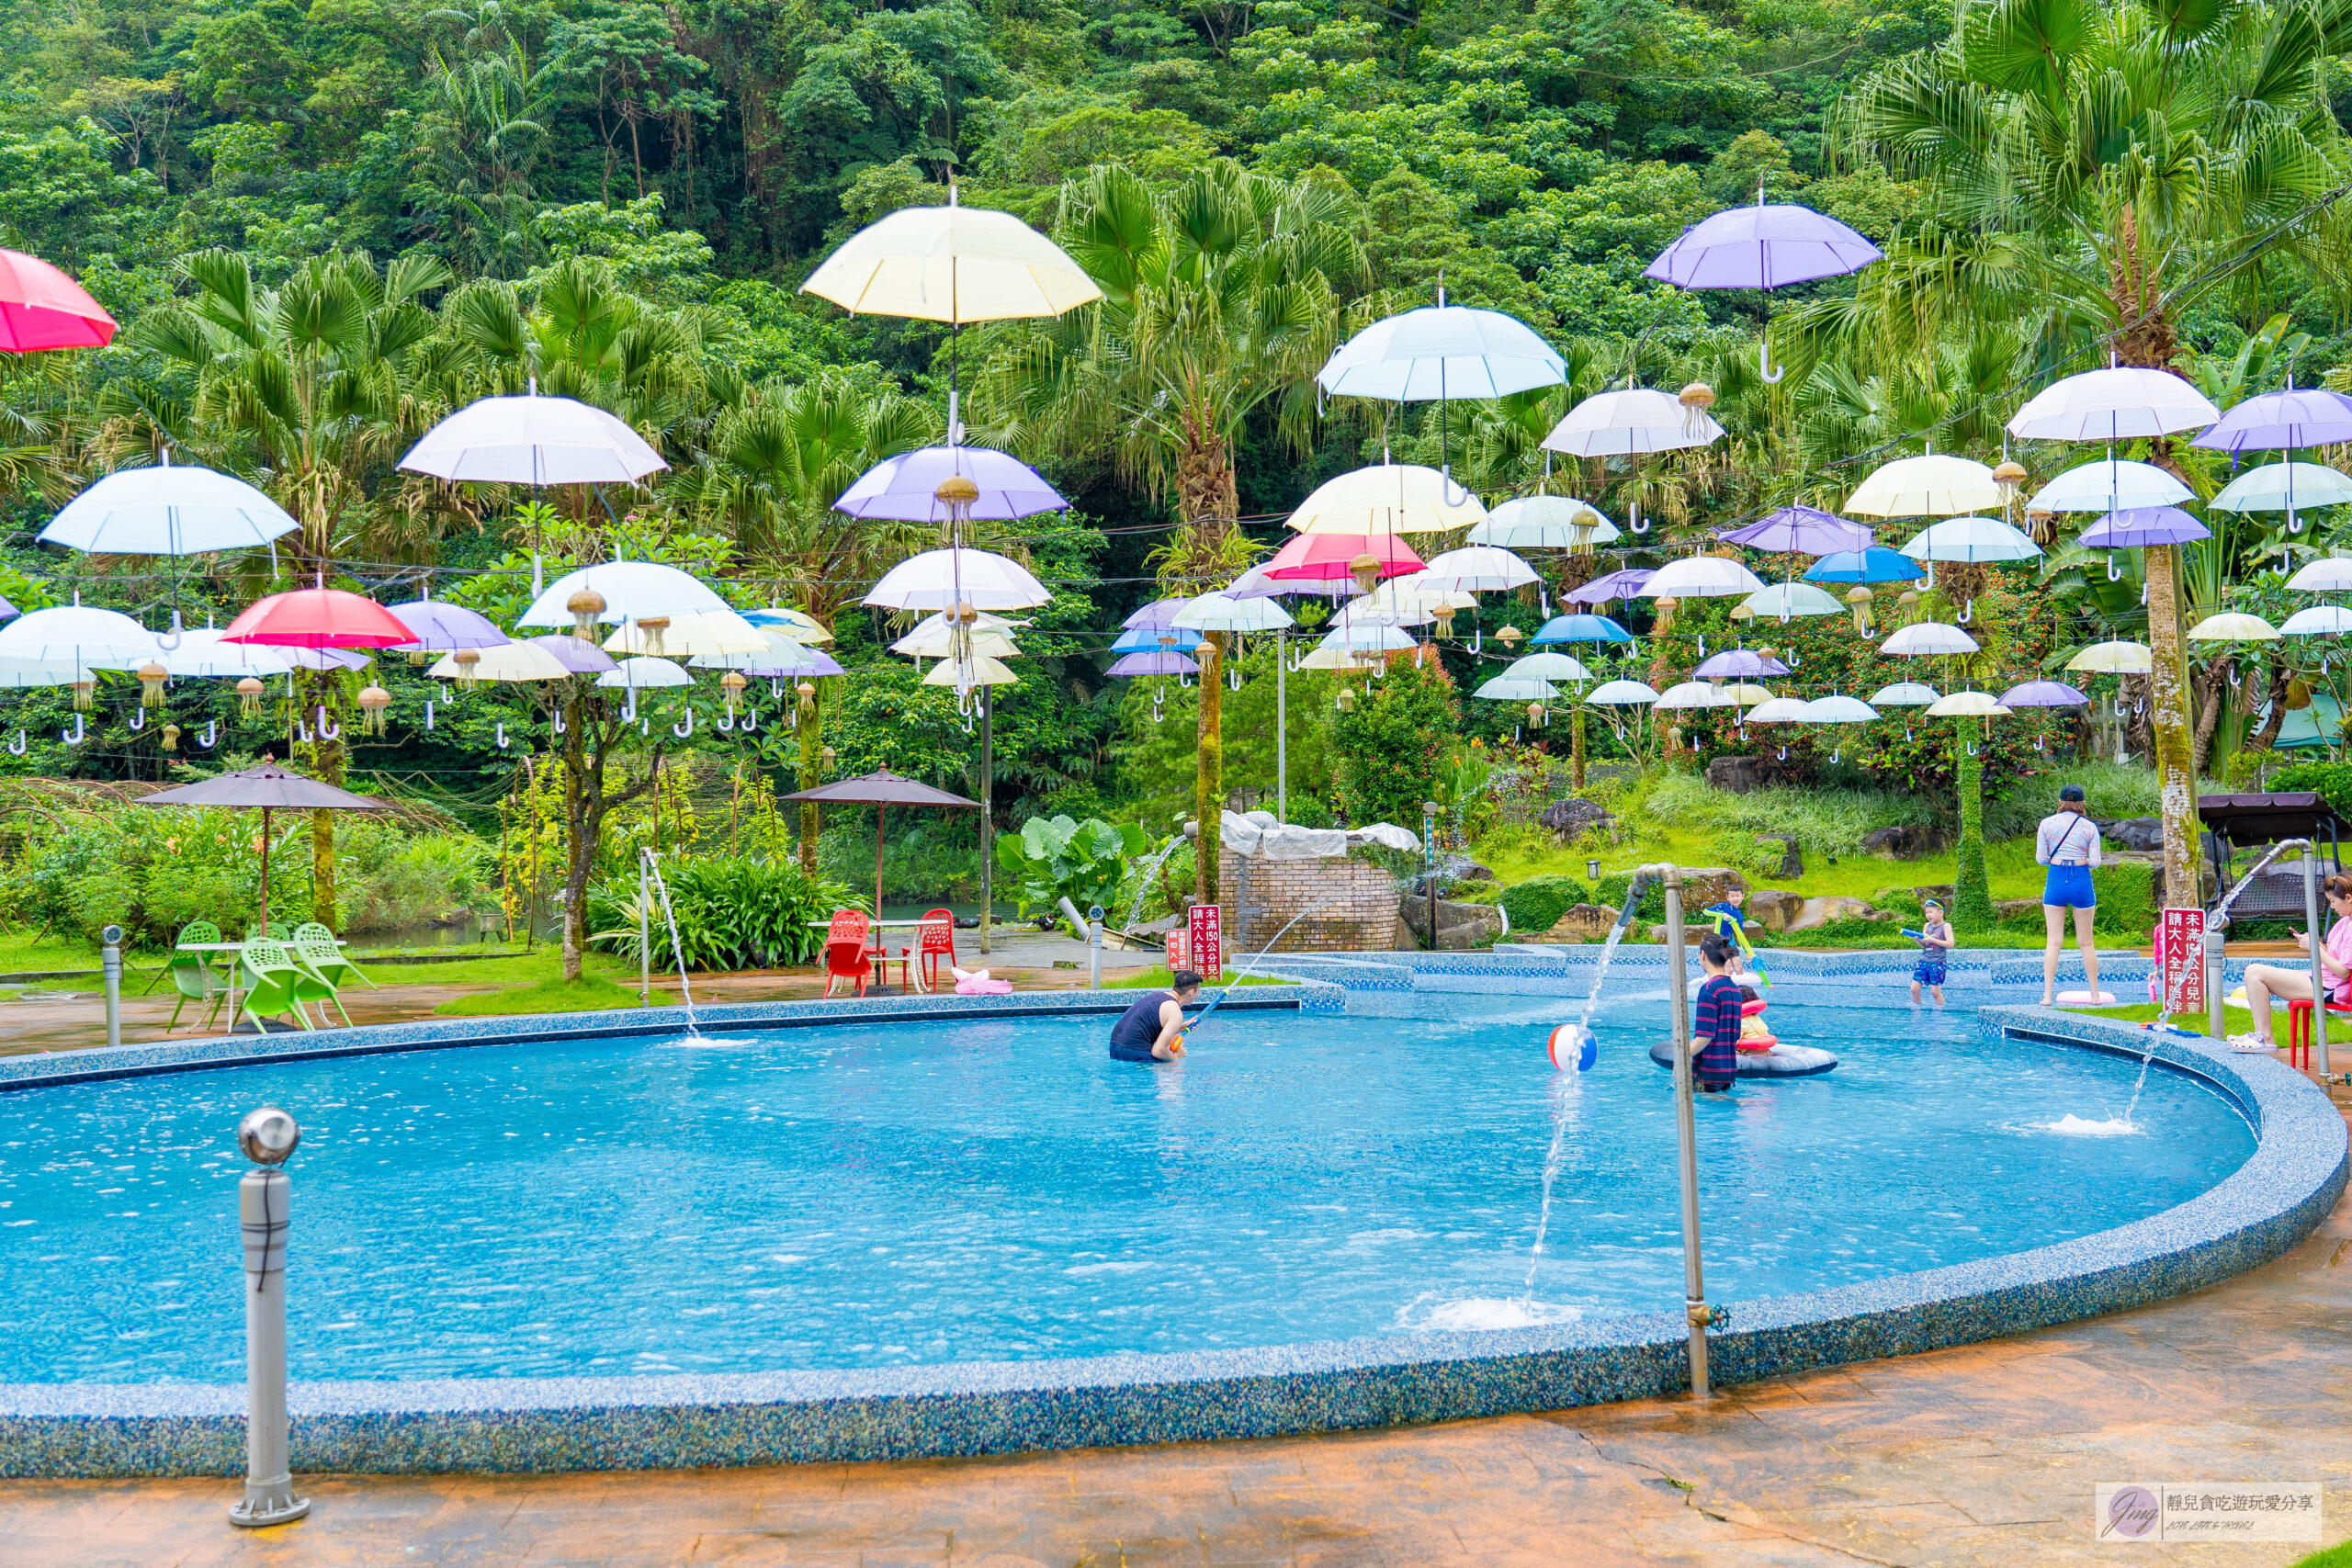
<point>1573,1048</point>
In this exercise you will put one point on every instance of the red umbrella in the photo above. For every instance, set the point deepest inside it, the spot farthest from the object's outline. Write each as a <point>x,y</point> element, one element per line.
<point>1324,558</point>
<point>42,308</point>
<point>318,618</point>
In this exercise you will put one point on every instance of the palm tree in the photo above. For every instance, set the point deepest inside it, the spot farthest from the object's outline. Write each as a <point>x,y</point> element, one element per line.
<point>1222,295</point>
<point>2089,172</point>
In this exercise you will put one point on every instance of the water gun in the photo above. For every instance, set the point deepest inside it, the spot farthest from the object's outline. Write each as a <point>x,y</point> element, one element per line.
<point>1730,923</point>
<point>1914,936</point>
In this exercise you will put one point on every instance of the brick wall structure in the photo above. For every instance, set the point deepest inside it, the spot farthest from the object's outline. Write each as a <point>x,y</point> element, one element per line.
<point>1260,896</point>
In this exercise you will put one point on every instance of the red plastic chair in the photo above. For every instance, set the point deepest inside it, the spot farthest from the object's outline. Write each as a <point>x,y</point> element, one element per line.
<point>846,957</point>
<point>935,940</point>
<point>2298,1030</point>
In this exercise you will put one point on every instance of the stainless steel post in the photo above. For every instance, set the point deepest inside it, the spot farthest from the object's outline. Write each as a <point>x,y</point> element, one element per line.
<point>644,935</point>
<point>1429,863</point>
<point>1095,946</point>
<point>2216,938</point>
<point>1282,737</point>
<point>2319,973</point>
<point>267,1137</point>
<point>1677,998</point>
<point>110,958</point>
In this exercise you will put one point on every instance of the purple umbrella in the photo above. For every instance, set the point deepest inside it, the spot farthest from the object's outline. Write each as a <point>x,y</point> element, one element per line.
<point>1761,247</point>
<point>8,612</point>
<point>819,663</point>
<point>2144,526</point>
<point>2042,695</point>
<point>1158,616</point>
<point>444,628</point>
<point>1623,584</point>
<point>579,657</point>
<point>1153,664</point>
<point>2281,422</point>
<point>1801,530</point>
<point>1740,663</point>
<point>904,488</point>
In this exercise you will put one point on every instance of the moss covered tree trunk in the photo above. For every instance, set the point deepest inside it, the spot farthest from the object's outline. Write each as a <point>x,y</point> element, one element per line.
<point>2168,720</point>
<point>812,756</point>
<point>1576,751</point>
<point>1971,892</point>
<point>1208,778</point>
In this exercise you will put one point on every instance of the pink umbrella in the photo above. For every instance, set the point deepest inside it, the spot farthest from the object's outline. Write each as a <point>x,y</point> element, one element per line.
<point>317,617</point>
<point>1324,558</point>
<point>42,308</point>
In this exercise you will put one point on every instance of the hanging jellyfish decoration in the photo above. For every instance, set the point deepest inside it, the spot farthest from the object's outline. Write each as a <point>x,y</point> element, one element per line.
<point>86,695</point>
<point>374,706</point>
<point>467,659</point>
<point>1860,598</point>
<point>151,685</point>
<point>1346,699</point>
<point>730,687</point>
<point>586,608</point>
<point>171,738</point>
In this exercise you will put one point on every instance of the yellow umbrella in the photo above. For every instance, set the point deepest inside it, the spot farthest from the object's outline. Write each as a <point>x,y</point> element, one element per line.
<point>1932,486</point>
<point>687,635</point>
<point>522,661</point>
<point>2234,628</point>
<point>1388,498</point>
<point>2114,658</point>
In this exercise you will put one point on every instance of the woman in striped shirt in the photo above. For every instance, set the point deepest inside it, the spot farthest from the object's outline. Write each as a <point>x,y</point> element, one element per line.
<point>1714,1040</point>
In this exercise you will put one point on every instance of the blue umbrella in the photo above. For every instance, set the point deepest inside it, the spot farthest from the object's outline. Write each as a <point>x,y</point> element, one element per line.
<point>1877,564</point>
<point>1580,628</point>
<point>1146,639</point>
<point>1441,352</point>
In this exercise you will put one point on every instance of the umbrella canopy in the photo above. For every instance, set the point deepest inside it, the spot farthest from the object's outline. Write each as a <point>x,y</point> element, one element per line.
<point>1739,663</point>
<point>1510,688</point>
<point>2234,628</point>
<point>643,675</point>
<point>2112,485</point>
<point>1701,576</point>
<point>631,590</point>
<point>1548,667</point>
<point>436,626</point>
<point>1878,564</point>
<point>2320,620</point>
<point>1966,704</point>
<point>1622,693</point>
<point>8,611</point>
<point>1932,486</point>
<point>1625,584</point>
<point>1696,694</point>
<point>73,635</point>
<point>1579,628</point>
<point>906,487</point>
<point>938,580</point>
<point>1251,584</point>
<point>1148,639</point>
<point>781,659</point>
<point>1222,613</point>
<point>702,631</point>
<point>1543,523</point>
<point>1761,247</point>
<point>577,657</point>
<point>1478,568</point>
<point>1836,709</point>
<point>1335,657</point>
<point>880,790</point>
<point>1971,539</point>
<point>325,658</point>
<point>167,511</point>
<point>1801,530</point>
<point>2144,525</point>
<point>1408,601</point>
<point>2328,574</point>
<point>268,788</point>
<point>978,669</point>
<point>1159,612</point>
<point>25,675</point>
<point>952,264</point>
<point>1170,663</point>
<point>533,441</point>
<point>801,627</point>
<point>317,617</point>
<point>40,308</point>
<point>1785,599</point>
<point>1388,499</point>
<point>2113,659</point>
<point>1325,558</point>
<point>2042,695</point>
<point>2113,405</point>
<point>2272,485</point>
<point>1903,694</point>
<point>2278,422</point>
<point>1441,351</point>
<point>1926,639</point>
<point>1368,638</point>
<point>935,636</point>
<point>508,661</point>
<point>1617,424</point>
<point>202,655</point>
<point>1780,710</point>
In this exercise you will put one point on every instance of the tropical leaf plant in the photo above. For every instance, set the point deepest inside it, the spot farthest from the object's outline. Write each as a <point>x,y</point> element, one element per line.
<point>1057,856</point>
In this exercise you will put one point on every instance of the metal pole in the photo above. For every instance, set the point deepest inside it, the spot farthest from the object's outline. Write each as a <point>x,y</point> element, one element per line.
<point>2319,973</point>
<point>1429,863</point>
<point>988,814</point>
<point>264,1196</point>
<point>1095,946</point>
<point>1677,994</point>
<point>2216,938</point>
<point>644,935</point>
<point>1282,737</point>
<point>111,957</point>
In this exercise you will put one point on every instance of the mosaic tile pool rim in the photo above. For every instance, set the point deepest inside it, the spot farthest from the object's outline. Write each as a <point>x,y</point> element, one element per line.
<point>2294,1177</point>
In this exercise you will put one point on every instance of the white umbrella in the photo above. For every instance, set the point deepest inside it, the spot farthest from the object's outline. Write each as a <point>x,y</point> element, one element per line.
<point>1223,613</point>
<point>533,441</point>
<point>1548,667</point>
<point>1930,486</point>
<point>25,674</point>
<point>704,631</point>
<point>1388,498</point>
<point>939,580</point>
<point>1441,352</point>
<point>1967,704</point>
<point>631,674</point>
<point>523,660</point>
<point>1368,640</point>
<point>1696,694</point>
<point>798,625</point>
<point>784,656</point>
<point>1475,568</point>
<point>1971,539</point>
<point>1835,710</point>
<point>1408,601</point>
<point>1255,584</point>
<point>2114,658</point>
<point>72,634</point>
<point>1510,688</point>
<point>2231,627</point>
<point>1787,599</point>
<point>2328,574</point>
<point>1701,576</point>
<point>1616,424</point>
<point>1622,693</point>
<point>631,590</point>
<point>201,655</point>
<point>167,511</point>
<point>952,264</point>
<point>2320,620</point>
<point>965,674</point>
<point>1904,695</point>
<point>1926,639</point>
<point>325,658</point>
<point>2112,485</point>
<point>2114,404</point>
<point>935,638</point>
<point>2272,485</point>
<point>1780,710</point>
<point>1543,523</point>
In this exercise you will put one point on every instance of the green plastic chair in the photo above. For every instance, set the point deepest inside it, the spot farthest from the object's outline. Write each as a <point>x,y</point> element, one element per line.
<point>194,974</point>
<point>277,931</point>
<point>271,982</point>
<point>195,931</point>
<point>311,984</point>
<point>330,964</point>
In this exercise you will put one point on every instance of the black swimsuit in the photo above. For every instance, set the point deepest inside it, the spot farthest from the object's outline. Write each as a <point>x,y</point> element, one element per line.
<point>1132,1036</point>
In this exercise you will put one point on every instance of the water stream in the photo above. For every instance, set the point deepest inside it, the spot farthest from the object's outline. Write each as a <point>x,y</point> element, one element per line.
<point>1143,883</point>
<point>677,950</point>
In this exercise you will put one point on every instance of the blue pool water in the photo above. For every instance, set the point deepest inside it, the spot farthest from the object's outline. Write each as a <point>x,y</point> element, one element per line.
<point>900,1193</point>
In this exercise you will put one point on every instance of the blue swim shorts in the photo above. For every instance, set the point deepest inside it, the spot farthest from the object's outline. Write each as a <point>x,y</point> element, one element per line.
<point>1928,972</point>
<point>2069,888</point>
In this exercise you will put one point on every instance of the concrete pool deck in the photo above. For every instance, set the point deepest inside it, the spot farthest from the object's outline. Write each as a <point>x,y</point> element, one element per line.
<point>1984,1454</point>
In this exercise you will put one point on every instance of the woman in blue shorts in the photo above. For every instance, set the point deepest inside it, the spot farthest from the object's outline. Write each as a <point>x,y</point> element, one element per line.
<point>2067,842</point>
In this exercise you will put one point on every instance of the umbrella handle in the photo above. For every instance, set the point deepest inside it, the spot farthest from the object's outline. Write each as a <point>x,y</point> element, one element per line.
<point>212,736</point>
<point>138,720</point>
<point>80,733</point>
<point>1772,377</point>
<point>16,747</point>
<point>750,720</point>
<point>725,723</point>
<point>684,727</point>
<point>2114,572</point>
<point>629,709</point>
<point>428,717</point>
<point>555,721</point>
<point>328,731</point>
<point>170,640</point>
<point>501,735</point>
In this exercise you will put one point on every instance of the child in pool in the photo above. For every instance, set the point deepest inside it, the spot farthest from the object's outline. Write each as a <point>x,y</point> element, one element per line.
<point>1755,1035</point>
<point>1936,942</point>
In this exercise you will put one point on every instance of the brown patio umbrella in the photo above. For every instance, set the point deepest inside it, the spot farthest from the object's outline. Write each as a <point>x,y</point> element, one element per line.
<point>271,788</point>
<point>881,790</point>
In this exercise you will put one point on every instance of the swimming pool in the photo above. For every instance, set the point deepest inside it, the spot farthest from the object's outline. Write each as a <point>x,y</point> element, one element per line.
<point>910,1194</point>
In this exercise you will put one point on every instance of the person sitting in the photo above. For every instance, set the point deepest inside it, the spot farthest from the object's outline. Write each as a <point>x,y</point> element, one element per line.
<point>1153,1029</point>
<point>2265,981</point>
<point>1755,1035</point>
<point>1716,1062</point>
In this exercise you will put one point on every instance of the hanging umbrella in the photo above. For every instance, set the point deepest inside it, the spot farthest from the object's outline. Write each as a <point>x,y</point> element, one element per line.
<point>508,661</point>
<point>2320,620</point>
<point>881,790</point>
<point>40,308</point>
<point>1368,638</point>
<point>977,670</point>
<point>1548,667</point>
<point>2233,628</point>
<point>269,788</point>
<point>2144,526</point>
<point>2328,574</point>
<point>1903,694</point>
<point>317,617</point>
<point>782,659</point>
<point>1153,664</point>
<point>2113,659</point>
<point>2283,421</point>
<point>906,487</point>
<point>1159,612</point>
<point>1761,247</point>
<point>1696,694</point>
<point>2042,695</point>
<point>1931,486</point>
<point>438,626</point>
<point>1780,710</point>
<point>1877,564</point>
<point>802,628</point>
<point>1701,576</point>
<point>1441,352</point>
<point>628,589</point>
<point>1744,694</point>
<point>1926,639</point>
<point>952,264</point>
<point>939,580</point>
<point>1339,657</point>
<point>325,657</point>
<point>533,441</point>
<point>1150,640</point>
<point>2109,485</point>
<point>1510,688</point>
<point>936,636</point>
<point>71,634</point>
<point>1386,500</point>
<point>1622,693</point>
<point>1833,709</point>
<point>1740,663</point>
<point>1967,704</point>
<point>1579,628</point>
<point>1801,530</point>
<point>1326,557</point>
<point>27,674</point>
<point>1629,423</point>
<point>701,631</point>
<point>202,655</point>
<point>167,511</point>
<point>2273,486</point>
<point>8,611</point>
<point>2112,405</point>
<point>578,657</point>
<point>1625,584</point>
<point>1971,539</point>
<point>1408,601</point>
<point>1253,584</point>
<point>1478,569</point>
<point>1784,600</point>
<point>643,675</point>
<point>1543,523</point>
<point>1222,613</point>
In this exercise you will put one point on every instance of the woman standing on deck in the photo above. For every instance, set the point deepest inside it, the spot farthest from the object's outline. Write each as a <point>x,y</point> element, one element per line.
<point>2067,844</point>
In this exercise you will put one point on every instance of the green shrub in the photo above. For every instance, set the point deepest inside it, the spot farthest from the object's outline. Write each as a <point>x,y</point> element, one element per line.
<point>1828,823</point>
<point>2333,781</point>
<point>1898,901</point>
<point>1610,892</point>
<point>2127,898</point>
<point>1847,933</point>
<point>1537,904</point>
<point>734,912</point>
<point>1053,858</point>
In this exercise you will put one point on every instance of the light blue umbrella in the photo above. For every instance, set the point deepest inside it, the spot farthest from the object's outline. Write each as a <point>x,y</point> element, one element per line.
<point>1546,667</point>
<point>2285,487</point>
<point>1782,600</point>
<point>1146,639</point>
<point>1979,540</point>
<point>1441,352</point>
<point>1579,628</point>
<point>1508,688</point>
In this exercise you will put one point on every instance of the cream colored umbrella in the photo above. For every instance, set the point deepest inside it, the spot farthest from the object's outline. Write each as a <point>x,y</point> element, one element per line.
<point>2234,628</point>
<point>1409,600</point>
<point>935,638</point>
<point>800,627</point>
<point>1339,657</point>
<point>952,264</point>
<point>1932,486</point>
<point>1388,499</point>
<point>1967,704</point>
<point>523,660</point>
<point>682,636</point>
<point>965,674</point>
<point>2114,658</point>
<point>1696,694</point>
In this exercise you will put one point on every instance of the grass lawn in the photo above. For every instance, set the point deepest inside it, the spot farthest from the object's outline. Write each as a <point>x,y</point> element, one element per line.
<point>2009,865</point>
<point>1149,980</point>
<point>590,993</point>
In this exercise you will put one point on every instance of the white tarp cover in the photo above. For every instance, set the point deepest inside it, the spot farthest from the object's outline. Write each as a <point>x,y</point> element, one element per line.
<point>1259,836</point>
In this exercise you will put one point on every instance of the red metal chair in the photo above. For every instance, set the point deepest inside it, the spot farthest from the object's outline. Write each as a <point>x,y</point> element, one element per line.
<point>2298,1030</point>
<point>935,940</point>
<point>846,955</point>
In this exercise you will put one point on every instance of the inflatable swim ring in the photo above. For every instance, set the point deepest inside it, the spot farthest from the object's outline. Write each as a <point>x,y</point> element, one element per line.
<point>1780,1062</point>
